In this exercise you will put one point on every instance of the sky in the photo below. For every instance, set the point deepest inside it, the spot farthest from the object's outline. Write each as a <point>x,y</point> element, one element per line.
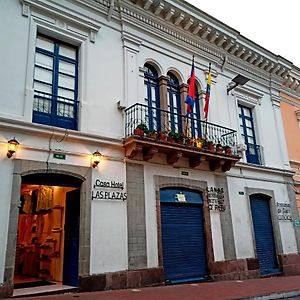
<point>272,24</point>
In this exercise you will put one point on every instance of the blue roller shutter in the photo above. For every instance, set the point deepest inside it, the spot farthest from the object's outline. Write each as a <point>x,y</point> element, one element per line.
<point>183,239</point>
<point>263,231</point>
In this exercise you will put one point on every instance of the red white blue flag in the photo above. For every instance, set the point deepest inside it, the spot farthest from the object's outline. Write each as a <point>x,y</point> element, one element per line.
<point>207,94</point>
<point>190,99</point>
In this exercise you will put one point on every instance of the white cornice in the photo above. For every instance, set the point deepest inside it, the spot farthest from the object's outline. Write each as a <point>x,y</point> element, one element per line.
<point>64,13</point>
<point>199,25</point>
<point>46,131</point>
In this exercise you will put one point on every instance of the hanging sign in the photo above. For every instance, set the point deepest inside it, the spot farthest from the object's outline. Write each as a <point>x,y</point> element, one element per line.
<point>284,211</point>
<point>215,198</point>
<point>108,190</point>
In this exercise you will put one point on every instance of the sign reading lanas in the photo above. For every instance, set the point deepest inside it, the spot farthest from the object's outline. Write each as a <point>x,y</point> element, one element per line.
<point>108,190</point>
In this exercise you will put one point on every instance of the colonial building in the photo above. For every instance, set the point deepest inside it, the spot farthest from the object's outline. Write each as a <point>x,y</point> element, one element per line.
<point>106,182</point>
<point>290,109</point>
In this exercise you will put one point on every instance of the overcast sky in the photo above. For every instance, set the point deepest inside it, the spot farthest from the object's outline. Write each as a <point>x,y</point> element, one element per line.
<point>272,24</point>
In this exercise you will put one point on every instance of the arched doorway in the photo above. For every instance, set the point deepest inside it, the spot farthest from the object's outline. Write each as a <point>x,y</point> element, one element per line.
<point>47,248</point>
<point>263,234</point>
<point>183,235</point>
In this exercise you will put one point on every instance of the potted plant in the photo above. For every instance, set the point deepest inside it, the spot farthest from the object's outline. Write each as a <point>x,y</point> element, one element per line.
<point>199,143</point>
<point>171,136</point>
<point>227,150</point>
<point>208,145</point>
<point>178,137</point>
<point>219,148</point>
<point>151,134</point>
<point>141,129</point>
<point>188,141</point>
<point>162,136</point>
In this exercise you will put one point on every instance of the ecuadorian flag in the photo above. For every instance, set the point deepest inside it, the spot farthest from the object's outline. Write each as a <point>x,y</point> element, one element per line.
<point>190,99</point>
<point>207,94</point>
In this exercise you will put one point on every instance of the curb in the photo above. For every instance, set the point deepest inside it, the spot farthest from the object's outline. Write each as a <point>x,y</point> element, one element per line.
<point>279,295</point>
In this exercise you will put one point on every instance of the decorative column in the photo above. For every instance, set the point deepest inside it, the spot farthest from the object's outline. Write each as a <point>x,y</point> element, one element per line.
<point>280,132</point>
<point>163,92</point>
<point>131,47</point>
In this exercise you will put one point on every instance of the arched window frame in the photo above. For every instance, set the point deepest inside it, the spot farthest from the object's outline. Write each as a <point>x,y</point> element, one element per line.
<point>174,103</point>
<point>152,97</point>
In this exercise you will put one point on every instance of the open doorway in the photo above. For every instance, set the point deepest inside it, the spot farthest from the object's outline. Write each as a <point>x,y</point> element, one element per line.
<point>47,246</point>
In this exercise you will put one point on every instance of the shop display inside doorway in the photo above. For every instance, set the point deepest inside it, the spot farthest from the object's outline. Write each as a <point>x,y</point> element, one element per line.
<point>40,240</point>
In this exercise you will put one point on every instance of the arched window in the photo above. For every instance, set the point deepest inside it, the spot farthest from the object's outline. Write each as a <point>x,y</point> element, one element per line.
<point>174,105</point>
<point>152,97</point>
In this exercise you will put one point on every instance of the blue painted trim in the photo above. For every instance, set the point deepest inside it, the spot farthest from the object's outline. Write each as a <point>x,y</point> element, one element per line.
<point>54,119</point>
<point>251,158</point>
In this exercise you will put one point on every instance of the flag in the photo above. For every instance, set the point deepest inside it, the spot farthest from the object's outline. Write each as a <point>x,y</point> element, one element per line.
<point>207,94</point>
<point>190,99</point>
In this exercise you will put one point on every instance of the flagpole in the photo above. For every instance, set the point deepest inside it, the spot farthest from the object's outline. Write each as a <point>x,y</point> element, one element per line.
<point>207,96</point>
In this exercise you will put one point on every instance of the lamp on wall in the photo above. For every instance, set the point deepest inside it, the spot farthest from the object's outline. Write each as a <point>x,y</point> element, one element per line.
<point>96,158</point>
<point>237,80</point>
<point>12,146</point>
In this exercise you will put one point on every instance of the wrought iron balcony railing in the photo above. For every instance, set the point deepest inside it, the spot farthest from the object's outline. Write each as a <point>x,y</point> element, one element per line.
<point>158,121</point>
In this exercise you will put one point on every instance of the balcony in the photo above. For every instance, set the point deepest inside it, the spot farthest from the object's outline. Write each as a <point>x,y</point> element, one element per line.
<point>149,131</point>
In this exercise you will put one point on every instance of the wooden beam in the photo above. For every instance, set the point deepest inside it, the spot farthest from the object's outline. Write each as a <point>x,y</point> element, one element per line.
<point>132,150</point>
<point>149,152</point>
<point>172,157</point>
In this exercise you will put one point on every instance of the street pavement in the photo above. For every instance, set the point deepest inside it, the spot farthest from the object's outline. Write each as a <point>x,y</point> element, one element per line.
<point>263,288</point>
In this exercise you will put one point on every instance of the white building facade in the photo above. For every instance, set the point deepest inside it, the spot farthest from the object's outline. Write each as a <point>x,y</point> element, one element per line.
<point>82,76</point>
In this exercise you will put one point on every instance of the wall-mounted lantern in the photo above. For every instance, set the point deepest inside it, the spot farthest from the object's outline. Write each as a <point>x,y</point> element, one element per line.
<point>12,146</point>
<point>96,158</point>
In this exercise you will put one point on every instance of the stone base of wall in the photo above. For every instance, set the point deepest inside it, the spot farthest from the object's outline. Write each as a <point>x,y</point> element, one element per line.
<point>289,263</point>
<point>239,269</point>
<point>6,290</point>
<point>122,280</point>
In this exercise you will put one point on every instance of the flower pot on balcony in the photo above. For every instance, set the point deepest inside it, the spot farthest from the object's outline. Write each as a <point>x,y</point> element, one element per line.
<point>199,143</point>
<point>138,131</point>
<point>228,150</point>
<point>161,136</point>
<point>151,134</point>
<point>189,142</point>
<point>219,148</point>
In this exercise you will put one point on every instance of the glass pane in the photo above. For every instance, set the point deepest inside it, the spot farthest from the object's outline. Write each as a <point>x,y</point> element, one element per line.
<point>174,102</point>
<point>66,93</point>
<point>65,110</point>
<point>67,51</point>
<point>248,123</point>
<point>45,43</point>
<point>43,75</point>
<point>249,131</point>
<point>153,93</point>
<point>67,68</point>
<point>42,87</point>
<point>44,60</point>
<point>42,104</point>
<point>66,81</point>
<point>146,93</point>
<point>247,112</point>
<point>250,140</point>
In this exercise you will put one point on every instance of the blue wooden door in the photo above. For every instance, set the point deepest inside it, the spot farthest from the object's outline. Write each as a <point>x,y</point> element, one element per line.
<point>71,250</point>
<point>183,238</point>
<point>263,232</point>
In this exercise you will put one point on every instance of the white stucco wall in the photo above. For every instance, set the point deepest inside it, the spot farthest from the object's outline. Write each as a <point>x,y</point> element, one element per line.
<point>109,224</point>
<point>6,170</point>
<point>241,213</point>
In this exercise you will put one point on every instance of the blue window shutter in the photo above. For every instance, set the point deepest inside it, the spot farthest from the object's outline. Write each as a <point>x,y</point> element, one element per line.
<point>183,237</point>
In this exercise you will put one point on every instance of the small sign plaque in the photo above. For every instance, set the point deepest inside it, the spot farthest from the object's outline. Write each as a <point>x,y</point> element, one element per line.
<point>296,223</point>
<point>59,155</point>
<point>185,173</point>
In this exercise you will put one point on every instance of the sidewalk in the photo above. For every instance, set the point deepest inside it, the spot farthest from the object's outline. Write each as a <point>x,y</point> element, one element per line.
<point>264,288</point>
